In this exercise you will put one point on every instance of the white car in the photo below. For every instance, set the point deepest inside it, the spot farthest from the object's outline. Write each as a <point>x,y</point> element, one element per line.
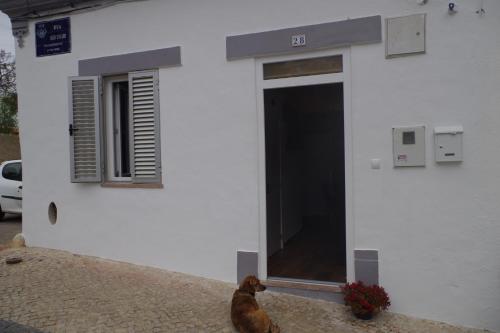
<point>11,187</point>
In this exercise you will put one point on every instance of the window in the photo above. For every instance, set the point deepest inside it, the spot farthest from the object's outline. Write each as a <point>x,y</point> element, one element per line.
<point>128,141</point>
<point>303,67</point>
<point>13,171</point>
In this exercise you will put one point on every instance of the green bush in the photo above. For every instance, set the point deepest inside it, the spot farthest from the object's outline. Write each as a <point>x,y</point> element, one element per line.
<point>8,113</point>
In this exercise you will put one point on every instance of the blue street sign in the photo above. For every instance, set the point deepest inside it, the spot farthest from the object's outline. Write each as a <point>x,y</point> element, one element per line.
<point>53,37</point>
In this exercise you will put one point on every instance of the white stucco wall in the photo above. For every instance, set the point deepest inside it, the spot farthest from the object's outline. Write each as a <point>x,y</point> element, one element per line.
<point>437,228</point>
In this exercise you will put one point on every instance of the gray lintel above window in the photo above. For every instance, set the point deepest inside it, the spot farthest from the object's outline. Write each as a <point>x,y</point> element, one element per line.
<point>319,36</point>
<point>130,62</point>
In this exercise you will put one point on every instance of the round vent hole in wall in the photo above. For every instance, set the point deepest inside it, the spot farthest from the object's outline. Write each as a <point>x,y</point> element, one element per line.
<point>52,213</point>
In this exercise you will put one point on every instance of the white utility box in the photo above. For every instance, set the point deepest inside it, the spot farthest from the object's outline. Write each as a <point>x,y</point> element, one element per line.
<point>448,143</point>
<point>408,146</point>
<point>405,35</point>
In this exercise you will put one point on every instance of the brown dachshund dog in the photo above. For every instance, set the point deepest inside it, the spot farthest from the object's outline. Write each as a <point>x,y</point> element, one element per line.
<point>246,315</point>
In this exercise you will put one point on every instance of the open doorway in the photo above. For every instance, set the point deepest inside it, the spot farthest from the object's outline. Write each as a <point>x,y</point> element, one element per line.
<point>305,182</point>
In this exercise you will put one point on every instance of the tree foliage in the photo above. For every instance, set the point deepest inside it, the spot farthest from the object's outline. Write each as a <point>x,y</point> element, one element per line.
<point>8,94</point>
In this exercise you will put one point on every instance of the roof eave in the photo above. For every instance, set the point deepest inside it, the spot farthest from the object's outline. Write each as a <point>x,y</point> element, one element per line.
<point>18,9</point>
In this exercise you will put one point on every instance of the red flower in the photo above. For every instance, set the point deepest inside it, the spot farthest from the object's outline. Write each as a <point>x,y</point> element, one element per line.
<point>365,299</point>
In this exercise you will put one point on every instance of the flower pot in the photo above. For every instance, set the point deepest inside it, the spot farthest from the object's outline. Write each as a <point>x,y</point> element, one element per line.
<point>363,316</point>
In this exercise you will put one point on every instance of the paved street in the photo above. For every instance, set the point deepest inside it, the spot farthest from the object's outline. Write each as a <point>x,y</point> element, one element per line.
<point>9,227</point>
<point>56,291</point>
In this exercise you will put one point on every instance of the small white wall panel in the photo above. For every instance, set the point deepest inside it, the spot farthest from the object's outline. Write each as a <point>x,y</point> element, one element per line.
<point>409,146</point>
<point>405,35</point>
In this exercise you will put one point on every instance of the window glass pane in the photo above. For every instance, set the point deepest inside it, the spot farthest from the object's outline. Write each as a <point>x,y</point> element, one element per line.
<point>124,124</point>
<point>303,67</point>
<point>13,171</point>
<point>121,129</point>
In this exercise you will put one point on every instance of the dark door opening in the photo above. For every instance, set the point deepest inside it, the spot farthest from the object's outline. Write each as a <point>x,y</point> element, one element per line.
<point>305,182</point>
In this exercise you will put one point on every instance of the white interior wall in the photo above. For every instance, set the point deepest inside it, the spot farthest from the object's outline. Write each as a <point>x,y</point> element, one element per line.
<point>436,227</point>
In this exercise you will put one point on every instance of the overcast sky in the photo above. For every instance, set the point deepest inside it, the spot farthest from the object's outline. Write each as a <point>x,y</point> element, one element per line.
<point>6,39</point>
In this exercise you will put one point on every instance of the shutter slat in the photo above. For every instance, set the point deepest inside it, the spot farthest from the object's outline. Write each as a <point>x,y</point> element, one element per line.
<point>84,117</point>
<point>144,117</point>
<point>144,107</point>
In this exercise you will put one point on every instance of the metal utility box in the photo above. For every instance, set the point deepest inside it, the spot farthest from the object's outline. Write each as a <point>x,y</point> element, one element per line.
<point>408,146</point>
<point>448,143</point>
<point>405,35</point>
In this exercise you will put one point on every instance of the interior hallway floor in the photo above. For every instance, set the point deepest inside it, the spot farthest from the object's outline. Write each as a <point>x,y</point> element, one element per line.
<point>314,253</point>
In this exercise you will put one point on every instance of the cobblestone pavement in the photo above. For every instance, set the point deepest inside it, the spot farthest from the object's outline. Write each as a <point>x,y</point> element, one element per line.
<point>56,291</point>
<point>9,227</point>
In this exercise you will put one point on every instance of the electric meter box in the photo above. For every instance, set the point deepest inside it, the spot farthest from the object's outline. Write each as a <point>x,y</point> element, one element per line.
<point>448,143</point>
<point>408,146</point>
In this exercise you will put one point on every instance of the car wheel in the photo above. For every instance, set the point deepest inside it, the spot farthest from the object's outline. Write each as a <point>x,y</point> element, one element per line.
<point>2,214</point>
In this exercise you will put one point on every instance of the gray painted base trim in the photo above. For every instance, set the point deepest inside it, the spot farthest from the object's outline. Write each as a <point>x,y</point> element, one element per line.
<point>366,266</point>
<point>247,264</point>
<point>130,62</point>
<point>318,36</point>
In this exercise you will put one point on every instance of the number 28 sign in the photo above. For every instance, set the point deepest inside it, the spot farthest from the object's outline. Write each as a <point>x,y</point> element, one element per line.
<point>298,40</point>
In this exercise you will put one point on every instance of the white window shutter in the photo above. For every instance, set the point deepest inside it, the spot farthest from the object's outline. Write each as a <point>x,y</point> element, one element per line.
<point>84,129</point>
<point>144,127</point>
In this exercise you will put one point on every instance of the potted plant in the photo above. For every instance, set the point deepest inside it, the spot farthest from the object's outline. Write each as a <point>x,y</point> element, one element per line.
<point>365,301</point>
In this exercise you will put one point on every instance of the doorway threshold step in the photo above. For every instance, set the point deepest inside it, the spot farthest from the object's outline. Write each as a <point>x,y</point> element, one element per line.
<point>333,288</point>
<point>327,292</point>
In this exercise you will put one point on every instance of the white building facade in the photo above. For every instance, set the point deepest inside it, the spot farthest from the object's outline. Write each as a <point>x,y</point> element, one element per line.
<point>186,187</point>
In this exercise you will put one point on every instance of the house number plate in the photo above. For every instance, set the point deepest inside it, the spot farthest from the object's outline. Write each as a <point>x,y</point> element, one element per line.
<point>298,40</point>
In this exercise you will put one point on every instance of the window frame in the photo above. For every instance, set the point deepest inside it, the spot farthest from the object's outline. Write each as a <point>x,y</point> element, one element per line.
<point>91,106</point>
<point>108,113</point>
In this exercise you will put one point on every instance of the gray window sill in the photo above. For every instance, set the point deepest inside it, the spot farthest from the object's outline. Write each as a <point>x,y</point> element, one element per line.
<point>131,185</point>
